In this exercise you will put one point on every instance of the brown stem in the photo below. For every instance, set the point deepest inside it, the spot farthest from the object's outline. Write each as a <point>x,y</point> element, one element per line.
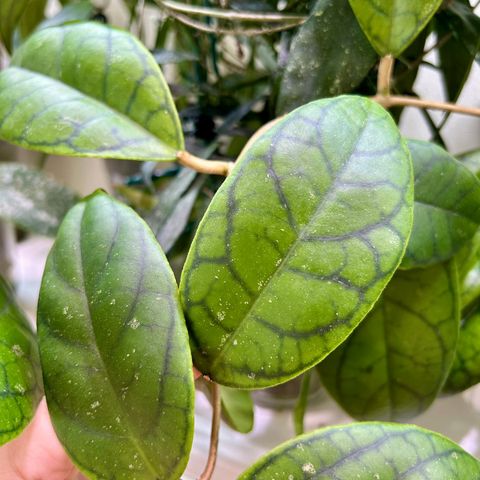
<point>212,167</point>
<point>388,101</point>
<point>212,454</point>
<point>384,79</point>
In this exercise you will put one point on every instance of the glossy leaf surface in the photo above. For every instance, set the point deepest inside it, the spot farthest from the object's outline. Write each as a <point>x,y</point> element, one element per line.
<point>114,349</point>
<point>298,243</point>
<point>110,97</point>
<point>366,451</point>
<point>32,200</point>
<point>392,25</point>
<point>20,377</point>
<point>323,62</point>
<point>394,364</point>
<point>446,212</point>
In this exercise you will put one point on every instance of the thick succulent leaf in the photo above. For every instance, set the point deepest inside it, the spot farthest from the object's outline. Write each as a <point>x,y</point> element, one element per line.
<point>20,377</point>
<point>32,200</point>
<point>446,212</point>
<point>114,349</point>
<point>468,261</point>
<point>392,25</point>
<point>472,161</point>
<point>456,58</point>
<point>237,409</point>
<point>11,12</point>
<point>323,62</point>
<point>465,370</point>
<point>366,451</point>
<point>394,364</point>
<point>110,100</point>
<point>298,243</point>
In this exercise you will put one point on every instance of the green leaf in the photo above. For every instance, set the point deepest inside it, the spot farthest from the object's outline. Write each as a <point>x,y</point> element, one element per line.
<point>114,349</point>
<point>458,53</point>
<point>366,451</point>
<point>472,161</point>
<point>301,406</point>
<point>298,243</point>
<point>32,200</point>
<point>11,11</point>
<point>237,409</point>
<point>110,100</point>
<point>323,62</point>
<point>465,370</point>
<point>392,25</point>
<point>20,377</point>
<point>394,364</point>
<point>468,261</point>
<point>446,213</point>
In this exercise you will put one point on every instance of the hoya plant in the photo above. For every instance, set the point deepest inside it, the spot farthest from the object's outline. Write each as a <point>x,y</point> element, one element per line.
<point>334,246</point>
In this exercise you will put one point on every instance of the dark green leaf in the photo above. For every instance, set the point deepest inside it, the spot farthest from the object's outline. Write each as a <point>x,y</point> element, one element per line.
<point>394,364</point>
<point>298,243</point>
<point>114,349</point>
<point>174,205</point>
<point>366,451</point>
<point>11,11</point>
<point>446,213</point>
<point>458,53</point>
<point>32,200</point>
<point>472,161</point>
<point>323,63</point>
<point>20,377</point>
<point>468,261</point>
<point>465,371</point>
<point>392,25</point>
<point>110,99</point>
<point>32,16</point>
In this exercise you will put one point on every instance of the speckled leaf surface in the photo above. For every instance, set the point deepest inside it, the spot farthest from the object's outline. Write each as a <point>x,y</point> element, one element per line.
<point>394,364</point>
<point>446,211</point>
<point>110,100</point>
<point>298,243</point>
<point>323,62</point>
<point>114,349</point>
<point>32,200</point>
<point>20,378</point>
<point>366,451</point>
<point>392,25</point>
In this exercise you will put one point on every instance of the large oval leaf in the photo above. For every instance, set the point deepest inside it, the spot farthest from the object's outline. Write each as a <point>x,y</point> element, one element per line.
<point>394,364</point>
<point>446,212</point>
<point>323,62</point>
<point>298,242</point>
<point>366,451</point>
<point>114,349</point>
<point>32,200</point>
<point>20,377</point>
<point>392,25</point>
<point>110,99</point>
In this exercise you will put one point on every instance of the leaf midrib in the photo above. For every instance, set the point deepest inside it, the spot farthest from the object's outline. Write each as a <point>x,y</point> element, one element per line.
<point>293,246</point>
<point>132,437</point>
